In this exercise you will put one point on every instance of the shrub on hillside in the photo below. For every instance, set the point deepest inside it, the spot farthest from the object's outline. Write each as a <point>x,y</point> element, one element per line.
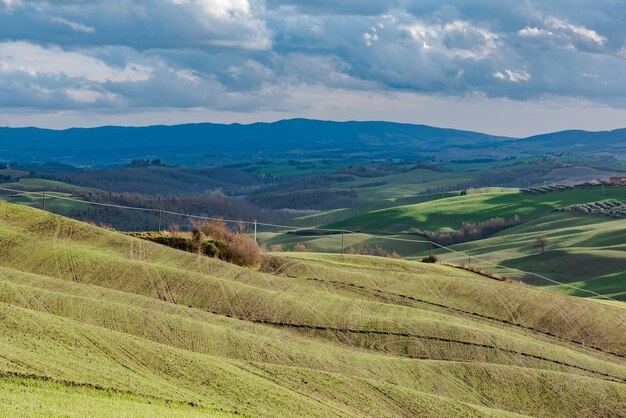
<point>395,255</point>
<point>213,239</point>
<point>470,231</point>
<point>301,248</point>
<point>194,244</point>
<point>374,251</point>
<point>612,209</point>
<point>277,248</point>
<point>431,258</point>
<point>484,272</point>
<point>273,265</point>
<point>238,248</point>
<point>242,250</point>
<point>541,243</point>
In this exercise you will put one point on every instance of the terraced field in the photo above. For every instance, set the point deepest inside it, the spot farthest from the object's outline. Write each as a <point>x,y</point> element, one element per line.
<point>97,323</point>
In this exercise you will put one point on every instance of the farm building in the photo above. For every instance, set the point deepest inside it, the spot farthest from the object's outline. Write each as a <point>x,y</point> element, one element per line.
<point>618,180</point>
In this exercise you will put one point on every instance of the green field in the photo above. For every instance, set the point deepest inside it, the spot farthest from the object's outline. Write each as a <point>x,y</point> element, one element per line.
<point>52,189</point>
<point>98,323</point>
<point>450,213</point>
<point>53,204</point>
<point>32,184</point>
<point>585,251</point>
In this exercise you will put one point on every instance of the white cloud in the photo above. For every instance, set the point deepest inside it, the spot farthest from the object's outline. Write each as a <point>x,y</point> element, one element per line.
<point>232,17</point>
<point>512,76</point>
<point>189,75</point>
<point>531,32</point>
<point>370,38</point>
<point>10,4</point>
<point>456,39</point>
<point>220,8</point>
<point>36,60</point>
<point>226,8</point>
<point>76,26</point>
<point>580,31</point>
<point>561,33</point>
<point>89,96</point>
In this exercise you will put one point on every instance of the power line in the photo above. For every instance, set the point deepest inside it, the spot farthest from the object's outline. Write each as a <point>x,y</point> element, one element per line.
<point>51,195</point>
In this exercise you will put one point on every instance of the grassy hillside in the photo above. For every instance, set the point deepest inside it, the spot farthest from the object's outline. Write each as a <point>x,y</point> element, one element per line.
<point>586,251</point>
<point>95,322</point>
<point>450,213</point>
<point>33,184</point>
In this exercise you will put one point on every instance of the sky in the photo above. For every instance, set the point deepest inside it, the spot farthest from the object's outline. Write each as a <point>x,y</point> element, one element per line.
<point>512,68</point>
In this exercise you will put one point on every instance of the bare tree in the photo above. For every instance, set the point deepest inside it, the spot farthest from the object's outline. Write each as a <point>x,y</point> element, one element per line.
<point>542,243</point>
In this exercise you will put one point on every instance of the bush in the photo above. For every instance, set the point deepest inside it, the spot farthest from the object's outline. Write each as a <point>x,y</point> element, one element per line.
<point>242,250</point>
<point>430,259</point>
<point>374,251</point>
<point>301,248</point>
<point>273,265</point>
<point>214,229</point>
<point>212,239</point>
<point>470,231</point>
<point>613,209</point>
<point>541,243</point>
<point>277,248</point>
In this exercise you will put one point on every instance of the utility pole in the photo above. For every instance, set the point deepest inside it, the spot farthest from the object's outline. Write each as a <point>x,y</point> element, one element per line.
<point>160,214</point>
<point>43,200</point>
<point>342,232</point>
<point>255,224</point>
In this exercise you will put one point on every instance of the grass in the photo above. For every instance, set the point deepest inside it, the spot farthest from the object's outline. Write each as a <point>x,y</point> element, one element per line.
<point>31,184</point>
<point>60,206</point>
<point>403,185</point>
<point>585,251</point>
<point>333,243</point>
<point>450,213</point>
<point>52,189</point>
<point>336,215</point>
<point>40,398</point>
<point>94,322</point>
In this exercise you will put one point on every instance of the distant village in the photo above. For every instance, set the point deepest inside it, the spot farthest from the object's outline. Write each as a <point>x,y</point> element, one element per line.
<point>618,180</point>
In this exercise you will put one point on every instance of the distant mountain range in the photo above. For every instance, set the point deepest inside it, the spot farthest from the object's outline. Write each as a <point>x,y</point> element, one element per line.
<point>199,144</point>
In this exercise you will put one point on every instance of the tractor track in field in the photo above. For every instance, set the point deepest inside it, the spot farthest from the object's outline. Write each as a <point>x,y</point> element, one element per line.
<point>70,257</point>
<point>436,339</point>
<point>113,390</point>
<point>450,308</point>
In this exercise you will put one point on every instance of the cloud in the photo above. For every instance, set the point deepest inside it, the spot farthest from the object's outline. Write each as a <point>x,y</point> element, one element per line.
<point>457,38</point>
<point>512,76</point>
<point>574,31</point>
<point>258,55</point>
<point>560,33</point>
<point>10,4</point>
<point>35,61</point>
<point>169,24</point>
<point>76,26</point>
<point>333,7</point>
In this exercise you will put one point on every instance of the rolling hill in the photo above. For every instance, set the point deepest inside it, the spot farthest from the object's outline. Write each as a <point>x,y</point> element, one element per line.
<point>201,144</point>
<point>449,213</point>
<point>95,322</point>
<point>211,143</point>
<point>586,251</point>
